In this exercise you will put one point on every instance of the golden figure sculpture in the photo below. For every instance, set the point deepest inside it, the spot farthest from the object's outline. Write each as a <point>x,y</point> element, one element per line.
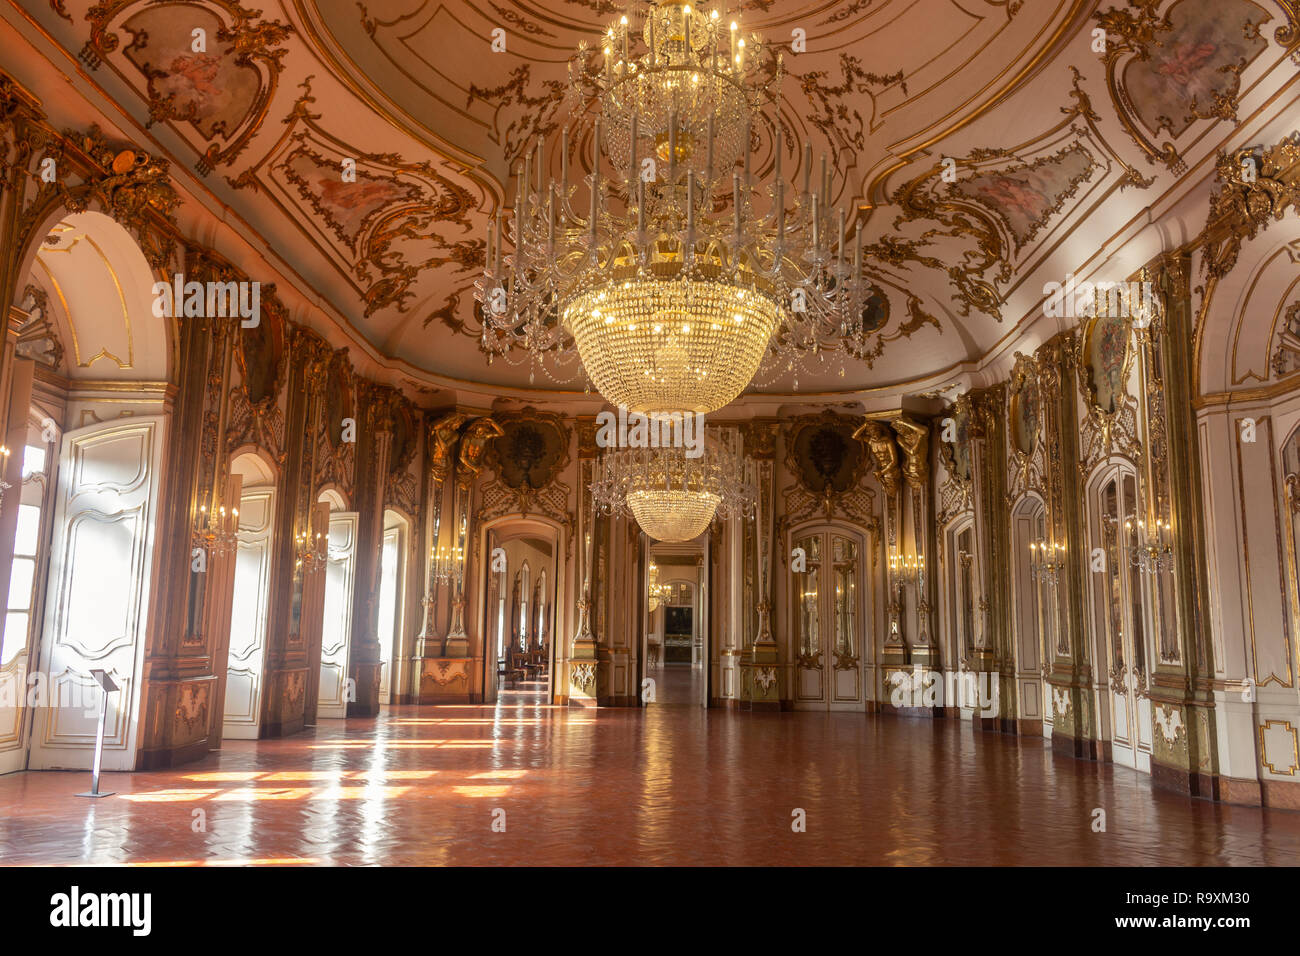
<point>473,446</point>
<point>880,441</point>
<point>442,438</point>
<point>914,439</point>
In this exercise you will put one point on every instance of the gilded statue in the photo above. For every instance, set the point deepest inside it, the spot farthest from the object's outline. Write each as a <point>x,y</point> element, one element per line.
<point>442,438</point>
<point>914,439</point>
<point>884,451</point>
<point>473,446</point>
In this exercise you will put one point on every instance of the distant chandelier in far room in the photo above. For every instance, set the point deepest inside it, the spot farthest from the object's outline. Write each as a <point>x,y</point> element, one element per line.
<point>672,299</point>
<point>673,496</point>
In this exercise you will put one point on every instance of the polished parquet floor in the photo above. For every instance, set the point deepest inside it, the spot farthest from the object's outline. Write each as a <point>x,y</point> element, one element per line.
<point>669,785</point>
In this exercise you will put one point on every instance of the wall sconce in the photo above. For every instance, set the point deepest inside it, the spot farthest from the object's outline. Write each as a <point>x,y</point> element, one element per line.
<point>311,552</point>
<point>447,564</point>
<point>1046,561</point>
<point>215,532</point>
<point>907,569</point>
<point>1150,553</point>
<point>4,467</point>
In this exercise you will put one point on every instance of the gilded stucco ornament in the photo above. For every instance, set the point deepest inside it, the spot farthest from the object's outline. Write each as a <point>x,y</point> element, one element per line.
<point>473,449</point>
<point>914,440</point>
<point>884,450</point>
<point>1254,187</point>
<point>443,434</point>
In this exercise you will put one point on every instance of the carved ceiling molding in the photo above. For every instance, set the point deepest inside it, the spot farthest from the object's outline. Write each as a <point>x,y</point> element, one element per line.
<point>1253,186</point>
<point>38,336</point>
<point>1195,44</point>
<point>191,87</point>
<point>998,205</point>
<point>91,172</point>
<point>385,230</point>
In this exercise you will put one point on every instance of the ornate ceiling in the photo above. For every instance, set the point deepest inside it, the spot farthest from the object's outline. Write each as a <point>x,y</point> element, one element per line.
<point>989,146</point>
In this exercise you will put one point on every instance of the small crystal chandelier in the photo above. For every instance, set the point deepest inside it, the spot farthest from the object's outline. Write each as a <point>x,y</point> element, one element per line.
<point>672,495</point>
<point>1046,561</point>
<point>1150,553</point>
<point>906,568</point>
<point>447,564</point>
<point>4,467</point>
<point>311,552</point>
<point>216,532</point>
<point>671,299</point>
<point>657,594</point>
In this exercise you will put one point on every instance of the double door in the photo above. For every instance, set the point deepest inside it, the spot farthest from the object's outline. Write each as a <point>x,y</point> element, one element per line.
<point>829,619</point>
<point>1122,606</point>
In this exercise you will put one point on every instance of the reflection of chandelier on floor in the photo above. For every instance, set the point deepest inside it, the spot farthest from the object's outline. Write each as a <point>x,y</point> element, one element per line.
<point>671,299</point>
<point>673,496</point>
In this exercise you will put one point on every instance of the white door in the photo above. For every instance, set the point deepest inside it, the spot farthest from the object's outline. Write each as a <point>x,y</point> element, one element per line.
<point>1126,631</point>
<point>336,631</point>
<point>101,565</point>
<point>828,621</point>
<point>390,610</point>
<point>248,614</point>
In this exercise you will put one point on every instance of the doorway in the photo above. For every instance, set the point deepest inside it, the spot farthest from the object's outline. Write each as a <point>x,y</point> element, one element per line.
<point>827,606</point>
<point>250,602</point>
<point>519,609</point>
<point>674,649</point>
<point>1119,603</point>
<point>336,628</point>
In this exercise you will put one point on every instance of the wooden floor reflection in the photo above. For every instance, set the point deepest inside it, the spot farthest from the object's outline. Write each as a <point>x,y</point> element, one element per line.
<point>670,785</point>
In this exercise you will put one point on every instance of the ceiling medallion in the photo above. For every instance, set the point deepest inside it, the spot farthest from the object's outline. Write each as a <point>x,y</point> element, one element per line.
<point>672,494</point>
<point>675,273</point>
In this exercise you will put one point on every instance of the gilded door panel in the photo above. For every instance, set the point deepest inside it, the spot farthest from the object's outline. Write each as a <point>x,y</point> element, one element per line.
<point>101,564</point>
<point>336,632</point>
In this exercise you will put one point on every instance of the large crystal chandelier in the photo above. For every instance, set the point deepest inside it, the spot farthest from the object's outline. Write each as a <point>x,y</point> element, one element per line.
<point>681,272</point>
<point>672,495</point>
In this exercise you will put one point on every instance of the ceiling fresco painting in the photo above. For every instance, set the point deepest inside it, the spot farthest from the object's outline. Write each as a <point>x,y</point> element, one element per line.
<point>372,142</point>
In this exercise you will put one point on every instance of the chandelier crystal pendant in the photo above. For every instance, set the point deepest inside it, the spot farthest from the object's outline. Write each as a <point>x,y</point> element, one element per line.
<point>675,273</point>
<point>674,496</point>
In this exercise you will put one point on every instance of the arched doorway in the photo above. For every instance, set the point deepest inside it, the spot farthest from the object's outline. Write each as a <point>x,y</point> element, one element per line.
<point>80,579</point>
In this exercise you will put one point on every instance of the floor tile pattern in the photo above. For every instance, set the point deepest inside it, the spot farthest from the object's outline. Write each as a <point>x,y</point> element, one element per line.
<point>667,785</point>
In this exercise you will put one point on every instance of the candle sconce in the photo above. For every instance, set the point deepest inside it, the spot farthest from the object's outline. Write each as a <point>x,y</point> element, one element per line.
<point>1150,553</point>
<point>216,531</point>
<point>311,552</point>
<point>448,564</point>
<point>1046,561</point>
<point>4,467</point>
<point>907,569</point>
